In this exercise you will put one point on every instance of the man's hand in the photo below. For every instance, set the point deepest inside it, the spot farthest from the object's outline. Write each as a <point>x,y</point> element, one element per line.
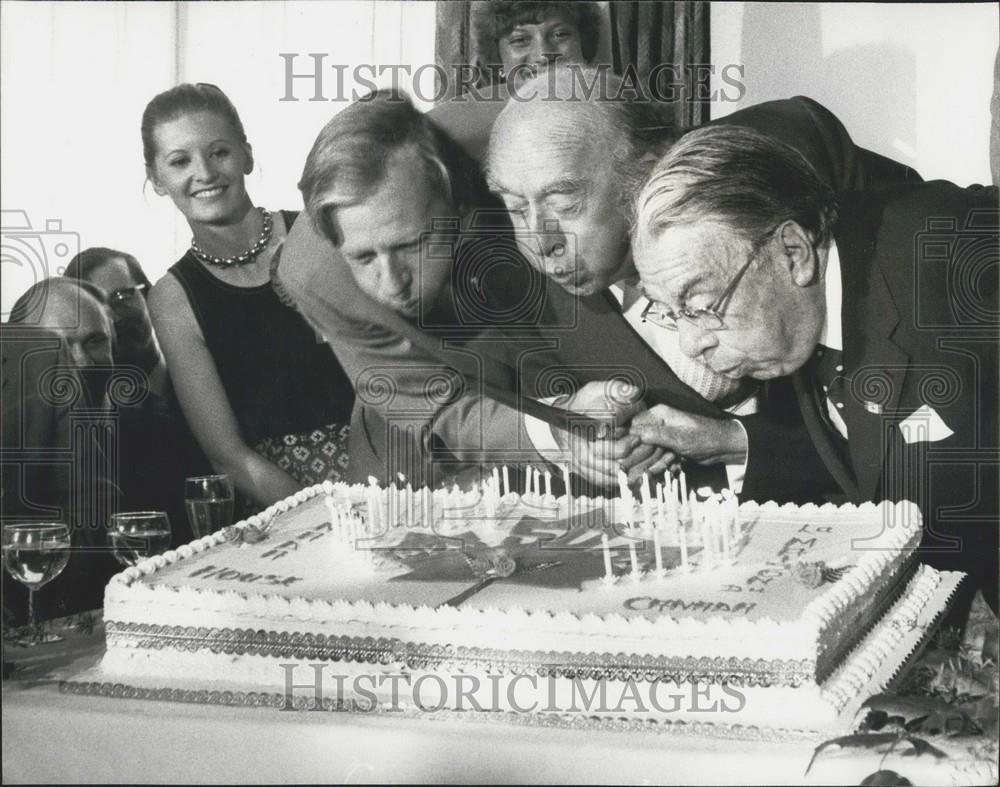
<point>598,453</point>
<point>613,402</point>
<point>695,437</point>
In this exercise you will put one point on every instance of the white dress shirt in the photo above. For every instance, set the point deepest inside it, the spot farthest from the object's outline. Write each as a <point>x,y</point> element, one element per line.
<point>832,335</point>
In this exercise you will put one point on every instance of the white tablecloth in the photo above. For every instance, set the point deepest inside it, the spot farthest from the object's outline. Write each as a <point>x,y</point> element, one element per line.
<point>49,736</point>
<point>53,737</point>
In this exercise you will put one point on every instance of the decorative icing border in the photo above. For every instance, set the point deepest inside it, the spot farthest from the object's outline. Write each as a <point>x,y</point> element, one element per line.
<point>420,656</point>
<point>886,650</point>
<point>622,724</point>
<point>816,617</point>
<point>870,658</point>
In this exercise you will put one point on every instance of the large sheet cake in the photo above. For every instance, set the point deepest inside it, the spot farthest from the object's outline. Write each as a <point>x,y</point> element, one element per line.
<point>765,617</point>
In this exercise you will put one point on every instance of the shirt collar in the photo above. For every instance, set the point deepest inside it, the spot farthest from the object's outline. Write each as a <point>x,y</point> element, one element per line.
<point>833,334</point>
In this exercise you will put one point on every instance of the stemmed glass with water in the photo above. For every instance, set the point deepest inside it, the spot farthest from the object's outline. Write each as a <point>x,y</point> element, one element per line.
<point>209,503</point>
<point>35,553</point>
<point>137,535</point>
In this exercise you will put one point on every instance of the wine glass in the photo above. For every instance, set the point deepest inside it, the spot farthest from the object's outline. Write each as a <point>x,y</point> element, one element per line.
<point>35,553</point>
<point>137,535</point>
<point>209,503</point>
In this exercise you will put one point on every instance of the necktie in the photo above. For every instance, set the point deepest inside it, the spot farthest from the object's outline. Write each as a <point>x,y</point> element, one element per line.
<point>832,387</point>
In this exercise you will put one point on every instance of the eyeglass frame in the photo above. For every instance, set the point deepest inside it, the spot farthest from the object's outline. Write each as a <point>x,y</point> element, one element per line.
<point>124,294</point>
<point>717,307</point>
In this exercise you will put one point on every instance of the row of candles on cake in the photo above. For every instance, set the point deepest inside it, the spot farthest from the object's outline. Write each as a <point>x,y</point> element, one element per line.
<point>676,517</point>
<point>347,527</point>
<point>402,506</point>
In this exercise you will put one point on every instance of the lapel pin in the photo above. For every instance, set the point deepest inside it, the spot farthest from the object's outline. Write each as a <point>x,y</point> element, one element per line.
<point>873,407</point>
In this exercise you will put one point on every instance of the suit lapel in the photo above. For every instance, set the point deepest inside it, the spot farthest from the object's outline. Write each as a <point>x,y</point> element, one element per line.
<point>875,367</point>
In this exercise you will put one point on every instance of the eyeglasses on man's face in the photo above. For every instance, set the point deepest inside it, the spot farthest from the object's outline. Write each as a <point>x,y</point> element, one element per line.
<point>125,296</point>
<point>709,318</point>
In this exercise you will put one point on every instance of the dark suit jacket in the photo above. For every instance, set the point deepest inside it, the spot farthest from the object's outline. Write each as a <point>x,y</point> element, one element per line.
<point>919,267</point>
<point>54,467</point>
<point>566,342</point>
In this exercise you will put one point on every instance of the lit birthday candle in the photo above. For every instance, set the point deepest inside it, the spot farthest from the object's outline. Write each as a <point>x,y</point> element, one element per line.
<point>682,537</point>
<point>657,549</point>
<point>427,506</point>
<point>724,526</point>
<point>623,489</point>
<point>371,506</point>
<point>606,549</point>
<point>707,547</point>
<point>684,486</point>
<point>626,495</point>
<point>673,518</point>
<point>373,500</point>
<point>647,501</point>
<point>661,510</point>
<point>693,508</point>
<point>488,501</point>
<point>733,515</point>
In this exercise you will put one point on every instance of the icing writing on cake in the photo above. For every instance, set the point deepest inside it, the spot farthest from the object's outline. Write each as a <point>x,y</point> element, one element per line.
<point>231,575</point>
<point>648,603</point>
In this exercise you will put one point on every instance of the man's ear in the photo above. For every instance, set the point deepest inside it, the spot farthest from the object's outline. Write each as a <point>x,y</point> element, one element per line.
<point>799,253</point>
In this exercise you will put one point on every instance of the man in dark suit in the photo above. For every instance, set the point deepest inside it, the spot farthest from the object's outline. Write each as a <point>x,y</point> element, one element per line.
<point>56,431</point>
<point>411,300</point>
<point>567,163</point>
<point>882,304</point>
<point>589,338</point>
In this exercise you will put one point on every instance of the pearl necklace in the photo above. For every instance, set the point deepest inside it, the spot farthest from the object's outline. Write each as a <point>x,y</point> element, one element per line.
<point>240,259</point>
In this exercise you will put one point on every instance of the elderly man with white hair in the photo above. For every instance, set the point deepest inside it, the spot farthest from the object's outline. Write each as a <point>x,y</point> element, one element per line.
<point>589,142</point>
<point>882,305</point>
<point>567,158</point>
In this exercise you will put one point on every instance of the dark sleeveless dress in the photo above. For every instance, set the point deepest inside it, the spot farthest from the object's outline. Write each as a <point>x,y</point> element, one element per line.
<point>291,397</point>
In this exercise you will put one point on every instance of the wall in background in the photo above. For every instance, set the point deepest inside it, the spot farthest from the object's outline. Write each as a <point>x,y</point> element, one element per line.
<point>77,76</point>
<point>910,81</point>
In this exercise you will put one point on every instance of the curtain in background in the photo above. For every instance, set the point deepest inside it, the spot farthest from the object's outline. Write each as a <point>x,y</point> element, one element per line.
<point>637,33</point>
<point>452,43</point>
<point>645,34</point>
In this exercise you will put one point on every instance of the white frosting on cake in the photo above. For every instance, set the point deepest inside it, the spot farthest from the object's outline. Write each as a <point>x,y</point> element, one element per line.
<point>751,622</point>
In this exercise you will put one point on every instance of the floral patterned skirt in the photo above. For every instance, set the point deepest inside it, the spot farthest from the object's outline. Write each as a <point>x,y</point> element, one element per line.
<point>309,457</point>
